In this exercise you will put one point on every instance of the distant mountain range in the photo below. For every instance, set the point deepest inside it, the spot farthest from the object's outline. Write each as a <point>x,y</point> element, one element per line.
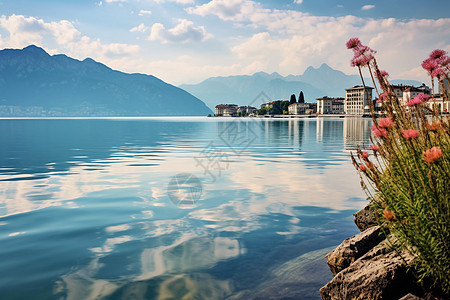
<point>34,83</point>
<point>242,90</point>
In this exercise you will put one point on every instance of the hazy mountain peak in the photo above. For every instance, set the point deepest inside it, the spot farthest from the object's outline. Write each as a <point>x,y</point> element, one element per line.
<point>260,73</point>
<point>35,50</point>
<point>323,68</point>
<point>89,60</point>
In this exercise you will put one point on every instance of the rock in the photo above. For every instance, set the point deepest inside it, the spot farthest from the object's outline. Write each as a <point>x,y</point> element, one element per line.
<point>379,274</point>
<point>364,218</point>
<point>353,248</point>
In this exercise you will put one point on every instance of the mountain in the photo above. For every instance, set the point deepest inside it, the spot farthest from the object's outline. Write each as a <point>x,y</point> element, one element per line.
<point>334,82</point>
<point>34,83</point>
<point>242,90</point>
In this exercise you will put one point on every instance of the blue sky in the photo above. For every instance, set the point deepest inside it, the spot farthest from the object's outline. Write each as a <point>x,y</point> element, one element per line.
<point>186,41</point>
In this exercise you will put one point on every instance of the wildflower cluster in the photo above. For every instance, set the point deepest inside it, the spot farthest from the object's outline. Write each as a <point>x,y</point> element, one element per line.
<point>406,171</point>
<point>363,55</point>
<point>438,66</point>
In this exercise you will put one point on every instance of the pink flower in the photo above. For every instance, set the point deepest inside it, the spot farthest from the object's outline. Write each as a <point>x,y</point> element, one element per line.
<point>353,43</point>
<point>431,155</point>
<point>385,123</point>
<point>381,75</point>
<point>361,60</point>
<point>419,99</point>
<point>412,102</point>
<point>364,50</point>
<point>362,54</point>
<point>444,61</point>
<point>429,64</point>
<point>375,147</point>
<point>362,168</point>
<point>383,97</point>
<point>437,63</point>
<point>410,133</point>
<point>438,53</point>
<point>365,155</point>
<point>437,72</point>
<point>379,132</point>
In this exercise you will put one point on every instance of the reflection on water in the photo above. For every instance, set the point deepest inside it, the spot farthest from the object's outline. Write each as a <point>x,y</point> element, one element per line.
<point>356,132</point>
<point>86,214</point>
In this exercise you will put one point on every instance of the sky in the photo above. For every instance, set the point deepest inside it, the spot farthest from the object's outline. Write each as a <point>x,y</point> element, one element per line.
<point>187,41</point>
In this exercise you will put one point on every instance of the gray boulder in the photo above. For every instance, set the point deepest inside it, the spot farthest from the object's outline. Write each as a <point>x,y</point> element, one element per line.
<point>353,248</point>
<point>379,274</point>
<point>364,218</point>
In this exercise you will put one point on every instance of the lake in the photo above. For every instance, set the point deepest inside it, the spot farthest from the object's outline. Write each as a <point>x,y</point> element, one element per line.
<point>174,208</point>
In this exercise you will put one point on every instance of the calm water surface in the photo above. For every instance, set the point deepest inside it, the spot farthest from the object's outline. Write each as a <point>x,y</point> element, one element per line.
<point>174,208</point>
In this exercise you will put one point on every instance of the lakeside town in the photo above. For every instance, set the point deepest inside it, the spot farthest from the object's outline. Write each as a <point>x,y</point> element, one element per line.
<point>355,103</point>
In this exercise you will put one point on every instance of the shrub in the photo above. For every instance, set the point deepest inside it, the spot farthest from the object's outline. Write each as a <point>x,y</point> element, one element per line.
<point>407,174</point>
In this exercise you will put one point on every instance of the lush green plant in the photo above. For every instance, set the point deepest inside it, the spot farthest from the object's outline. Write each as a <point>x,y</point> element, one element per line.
<point>285,105</point>
<point>276,108</point>
<point>406,172</point>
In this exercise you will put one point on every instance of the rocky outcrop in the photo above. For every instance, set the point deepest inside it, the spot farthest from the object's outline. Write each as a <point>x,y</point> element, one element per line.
<point>364,218</point>
<point>366,267</point>
<point>379,274</point>
<point>353,248</point>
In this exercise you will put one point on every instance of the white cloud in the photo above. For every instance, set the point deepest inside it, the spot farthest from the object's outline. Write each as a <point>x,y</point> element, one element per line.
<point>141,28</point>
<point>113,1</point>
<point>183,32</point>
<point>231,10</point>
<point>143,12</point>
<point>298,1</point>
<point>367,7</point>
<point>23,31</point>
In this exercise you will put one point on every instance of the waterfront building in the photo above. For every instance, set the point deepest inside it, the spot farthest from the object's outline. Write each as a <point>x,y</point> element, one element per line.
<point>246,110</point>
<point>225,110</point>
<point>398,90</point>
<point>312,109</point>
<point>438,102</point>
<point>327,105</point>
<point>337,106</point>
<point>357,100</point>
<point>299,109</point>
<point>324,105</point>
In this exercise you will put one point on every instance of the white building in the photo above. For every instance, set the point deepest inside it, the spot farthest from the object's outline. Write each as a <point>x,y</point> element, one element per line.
<point>225,110</point>
<point>398,91</point>
<point>357,100</point>
<point>438,102</point>
<point>337,106</point>
<point>326,105</point>
<point>299,109</point>
<point>246,110</point>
